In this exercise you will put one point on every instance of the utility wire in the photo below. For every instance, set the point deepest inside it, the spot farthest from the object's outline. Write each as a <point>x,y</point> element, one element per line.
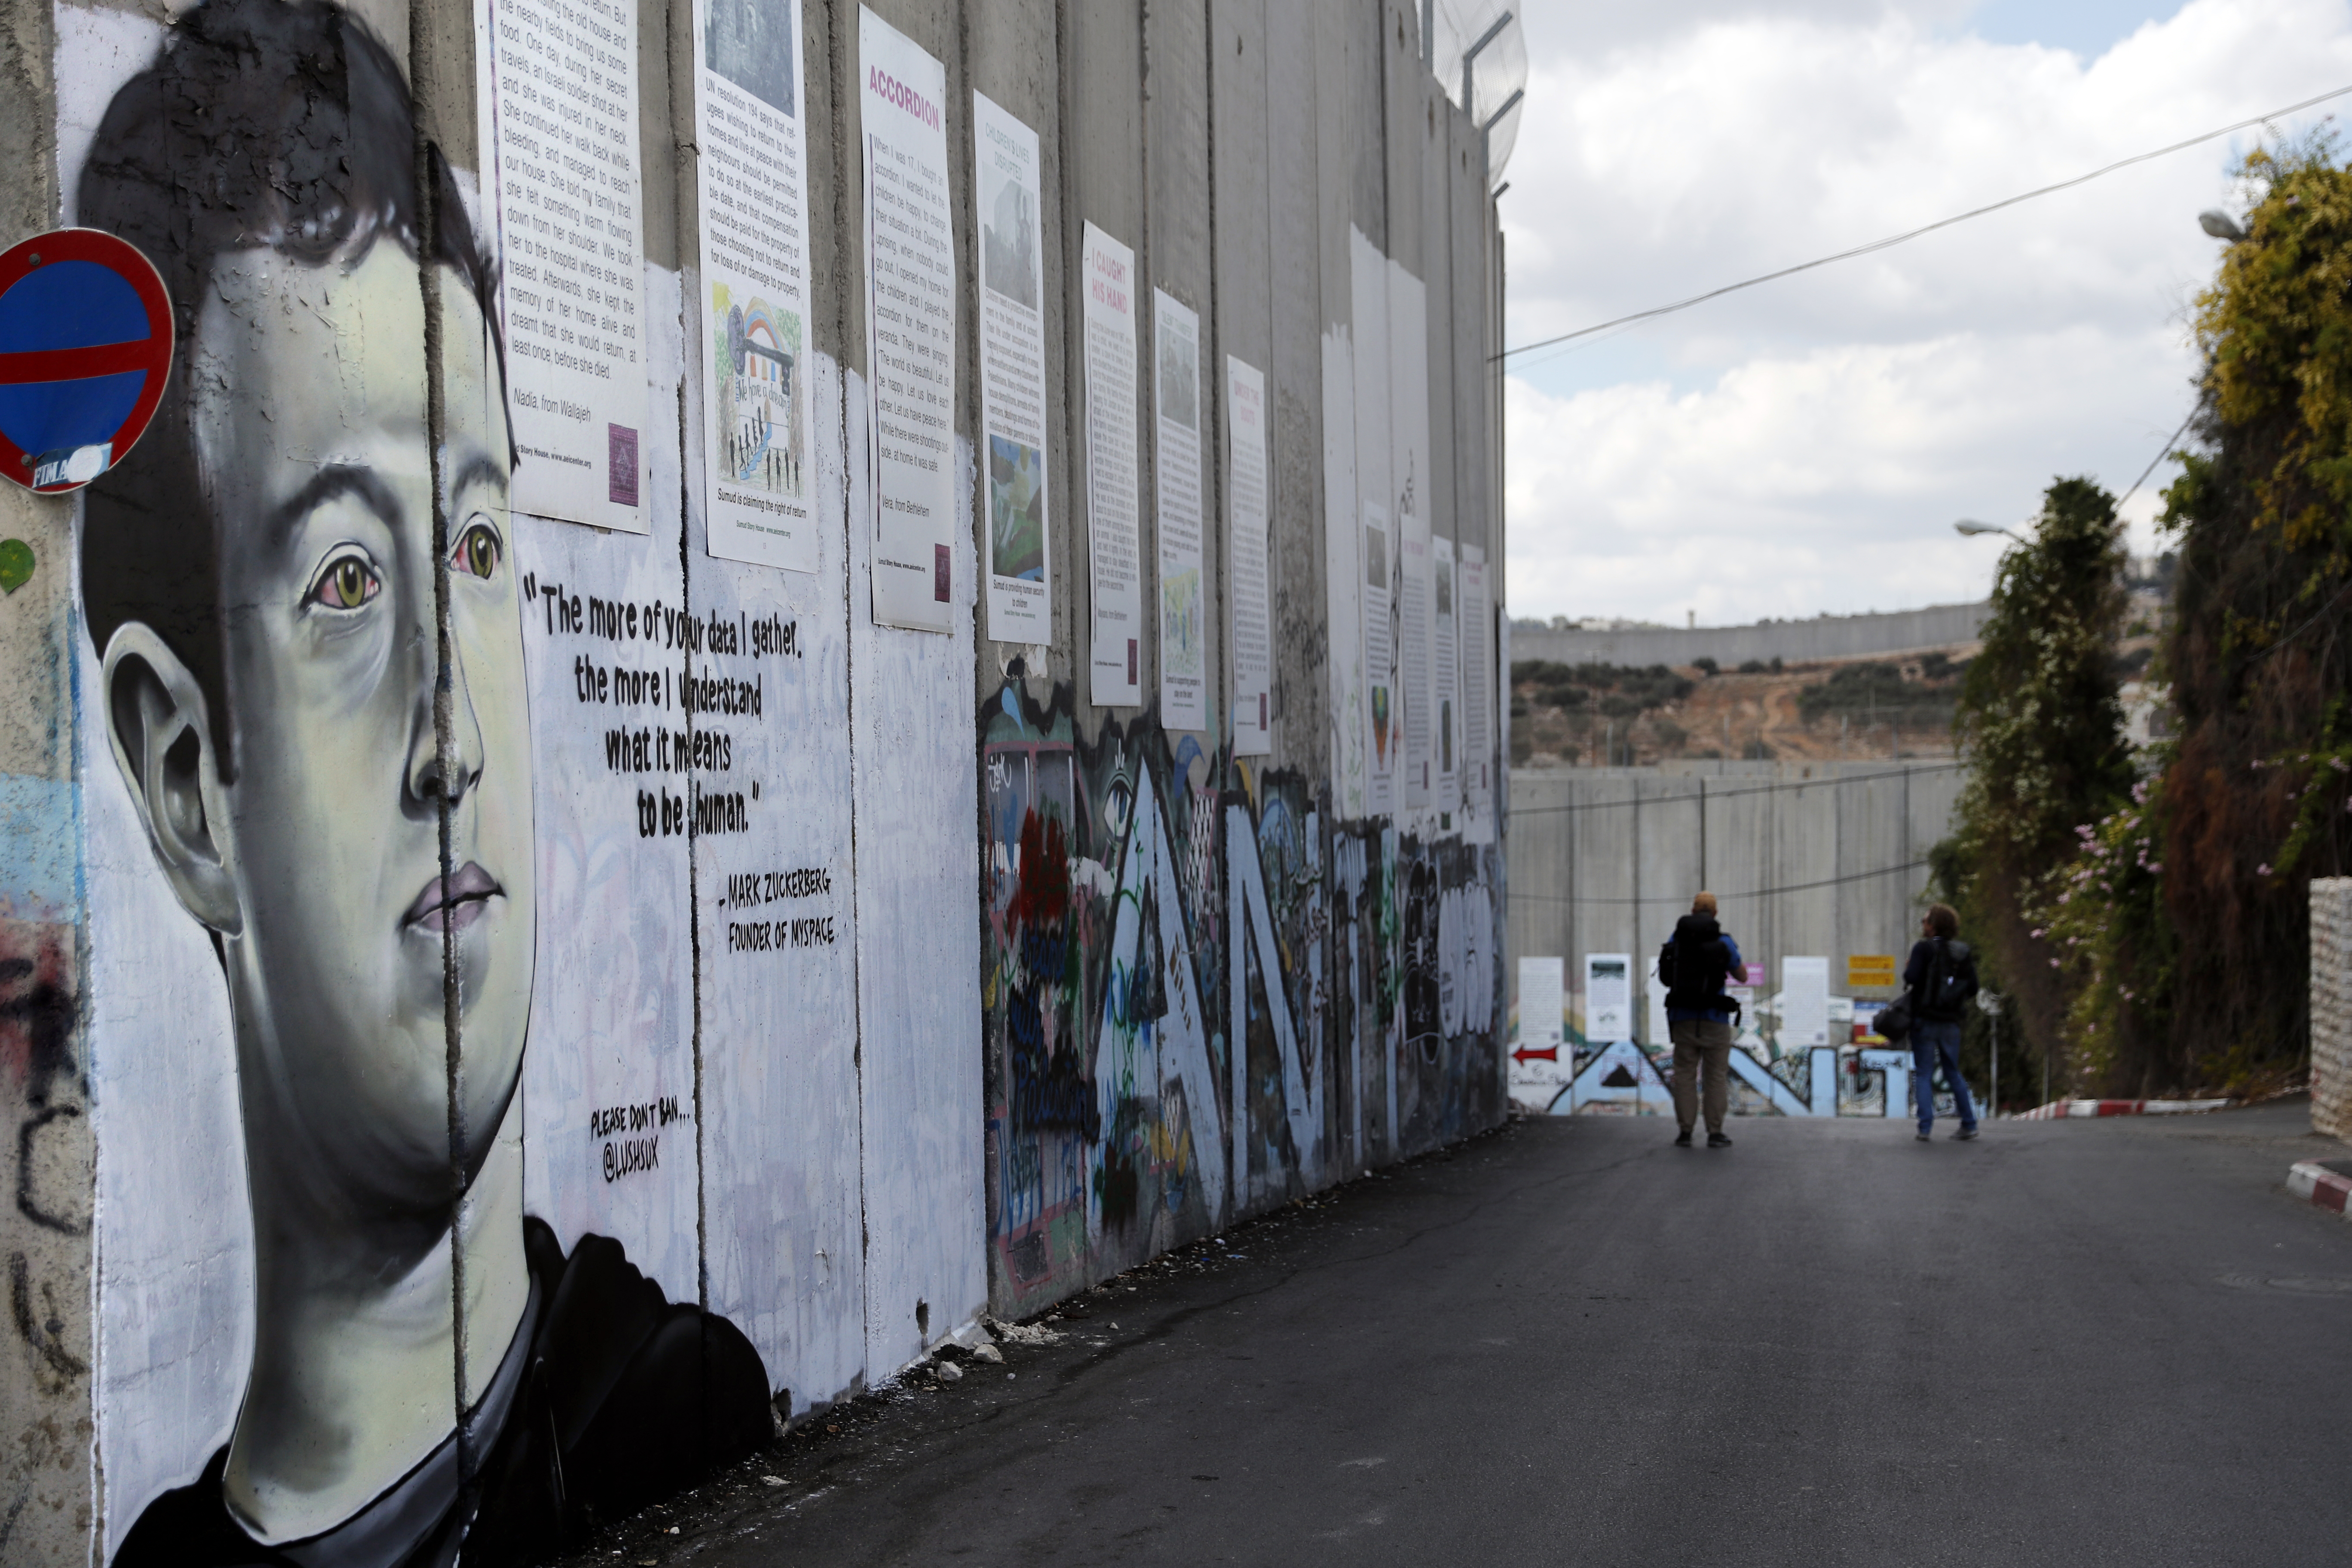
<point>1877,244</point>
<point>1711,797</point>
<point>1759,893</point>
<point>2152,462</point>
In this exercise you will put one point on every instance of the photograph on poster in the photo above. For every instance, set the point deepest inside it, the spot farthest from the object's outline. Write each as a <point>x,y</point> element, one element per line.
<point>1008,196</point>
<point>753,44</point>
<point>756,359</point>
<point>1016,510</point>
<point>1180,377</point>
<point>282,787</point>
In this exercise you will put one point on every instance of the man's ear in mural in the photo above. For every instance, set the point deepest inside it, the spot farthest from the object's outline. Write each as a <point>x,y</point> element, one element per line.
<point>162,735</point>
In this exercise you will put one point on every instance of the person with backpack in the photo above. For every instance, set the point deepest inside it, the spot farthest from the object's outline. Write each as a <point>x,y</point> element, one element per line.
<point>1693,966</point>
<point>1940,979</point>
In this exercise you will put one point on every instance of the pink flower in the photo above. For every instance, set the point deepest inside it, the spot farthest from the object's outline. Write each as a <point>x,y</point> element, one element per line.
<point>2263,870</point>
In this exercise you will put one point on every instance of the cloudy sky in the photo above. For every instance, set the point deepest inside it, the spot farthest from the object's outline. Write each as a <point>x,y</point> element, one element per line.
<point>1805,446</point>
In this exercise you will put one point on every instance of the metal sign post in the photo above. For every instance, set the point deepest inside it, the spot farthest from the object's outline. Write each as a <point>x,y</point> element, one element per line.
<point>1990,1002</point>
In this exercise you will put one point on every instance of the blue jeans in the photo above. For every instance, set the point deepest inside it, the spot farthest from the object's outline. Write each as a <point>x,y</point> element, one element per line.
<point>1929,1042</point>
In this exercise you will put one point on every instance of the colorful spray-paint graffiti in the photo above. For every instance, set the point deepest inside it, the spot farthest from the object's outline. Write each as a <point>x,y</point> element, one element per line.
<point>1204,998</point>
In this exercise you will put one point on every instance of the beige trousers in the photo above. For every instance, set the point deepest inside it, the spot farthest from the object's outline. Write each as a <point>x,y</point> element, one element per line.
<point>1697,1039</point>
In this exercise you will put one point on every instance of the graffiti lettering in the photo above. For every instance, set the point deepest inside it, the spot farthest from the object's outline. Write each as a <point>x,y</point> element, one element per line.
<point>632,1156</point>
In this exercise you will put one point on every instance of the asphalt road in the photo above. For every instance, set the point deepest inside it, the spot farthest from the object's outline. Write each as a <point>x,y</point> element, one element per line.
<point>2080,1343</point>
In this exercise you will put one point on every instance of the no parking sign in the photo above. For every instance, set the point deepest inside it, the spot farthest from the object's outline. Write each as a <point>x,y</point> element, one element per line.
<point>84,347</point>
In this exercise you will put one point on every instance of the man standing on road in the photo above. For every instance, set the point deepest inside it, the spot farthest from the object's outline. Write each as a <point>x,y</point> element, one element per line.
<point>1694,965</point>
<point>1941,978</point>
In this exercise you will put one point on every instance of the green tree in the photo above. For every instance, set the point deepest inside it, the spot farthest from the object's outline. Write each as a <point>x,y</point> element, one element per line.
<point>2040,728</point>
<point>2257,651</point>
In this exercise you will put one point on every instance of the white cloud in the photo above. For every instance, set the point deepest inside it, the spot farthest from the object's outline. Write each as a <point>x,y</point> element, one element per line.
<point>1805,446</point>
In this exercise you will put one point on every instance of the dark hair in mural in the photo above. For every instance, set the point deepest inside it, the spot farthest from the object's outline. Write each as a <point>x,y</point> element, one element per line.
<point>279,125</point>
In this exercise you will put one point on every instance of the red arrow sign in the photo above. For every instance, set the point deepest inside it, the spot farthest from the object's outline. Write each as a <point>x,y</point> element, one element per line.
<point>1549,1054</point>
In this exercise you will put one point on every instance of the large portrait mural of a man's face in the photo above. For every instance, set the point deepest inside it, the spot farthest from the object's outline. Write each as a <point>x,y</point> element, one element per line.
<point>300,591</point>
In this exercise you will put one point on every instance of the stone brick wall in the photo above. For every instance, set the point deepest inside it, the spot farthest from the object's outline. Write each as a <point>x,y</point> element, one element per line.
<point>2331,1006</point>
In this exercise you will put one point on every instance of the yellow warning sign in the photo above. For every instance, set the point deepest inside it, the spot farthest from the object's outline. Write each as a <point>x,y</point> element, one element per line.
<point>1864,970</point>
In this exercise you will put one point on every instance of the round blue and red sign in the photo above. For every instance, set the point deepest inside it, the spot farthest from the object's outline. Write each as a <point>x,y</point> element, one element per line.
<point>84,348</point>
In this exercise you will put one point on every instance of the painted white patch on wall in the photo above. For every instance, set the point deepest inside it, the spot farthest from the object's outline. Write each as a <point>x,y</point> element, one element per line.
<point>918,897</point>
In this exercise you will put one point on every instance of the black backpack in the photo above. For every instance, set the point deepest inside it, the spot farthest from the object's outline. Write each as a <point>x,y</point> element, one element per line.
<point>1950,981</point>
<point>1702,988</point>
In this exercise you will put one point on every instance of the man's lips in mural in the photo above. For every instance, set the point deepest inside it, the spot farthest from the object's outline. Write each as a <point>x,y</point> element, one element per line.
<point>455,901</point>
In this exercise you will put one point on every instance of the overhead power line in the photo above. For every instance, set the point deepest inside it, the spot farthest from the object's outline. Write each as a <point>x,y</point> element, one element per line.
<point>1728,898</point>
<point>1878,245</point>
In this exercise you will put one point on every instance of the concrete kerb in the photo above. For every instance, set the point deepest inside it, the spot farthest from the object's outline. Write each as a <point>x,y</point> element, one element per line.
<point>2323,1183</point>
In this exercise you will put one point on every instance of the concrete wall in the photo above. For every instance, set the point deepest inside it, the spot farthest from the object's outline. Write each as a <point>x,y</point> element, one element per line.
<point>1807,858</point>
<point>378,1025</point>
<point>2331,1007</point>
<point>1830,637</point>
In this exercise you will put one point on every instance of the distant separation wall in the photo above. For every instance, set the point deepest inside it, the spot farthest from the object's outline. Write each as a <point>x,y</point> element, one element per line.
<point>1830,636</point>
<point>1810,860</point>
<point>778,673</point>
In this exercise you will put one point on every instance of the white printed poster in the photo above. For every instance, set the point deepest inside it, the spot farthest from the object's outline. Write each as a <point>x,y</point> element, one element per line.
<point>751,176</point>
<point>1383,738</point>
<point>1183,653</point>
<point>1114,531</point>
<point>1445,675</point>
<point>1006,167</point>
<point>1608,997</point>
<point>1539,1067</point>
<point>1478,684</point>
<point>564,104</point>
<point>909,327</point>
<point>1541,1011</point>
<point>1252,629</point>
<point>1804,1003</point>
<point>1412,659</point>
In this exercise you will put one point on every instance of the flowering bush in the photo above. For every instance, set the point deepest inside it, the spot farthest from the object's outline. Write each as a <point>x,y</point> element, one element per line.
<point>2100,919</point>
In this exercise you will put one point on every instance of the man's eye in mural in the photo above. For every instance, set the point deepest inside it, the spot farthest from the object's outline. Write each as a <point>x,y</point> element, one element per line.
<point>345,583</point>
<point>478,549</point>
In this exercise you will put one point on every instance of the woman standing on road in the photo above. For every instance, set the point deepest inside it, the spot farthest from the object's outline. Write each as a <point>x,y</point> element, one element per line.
<point>1941,978</point>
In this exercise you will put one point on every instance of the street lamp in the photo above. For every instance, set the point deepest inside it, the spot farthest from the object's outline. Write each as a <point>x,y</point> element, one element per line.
<point>1971,526</point>
<point>2219,225</point>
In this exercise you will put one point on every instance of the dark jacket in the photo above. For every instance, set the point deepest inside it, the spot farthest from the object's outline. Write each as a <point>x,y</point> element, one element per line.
<point>612,1396</point>
<point>1960,980</point>
<point>1711,957</point>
